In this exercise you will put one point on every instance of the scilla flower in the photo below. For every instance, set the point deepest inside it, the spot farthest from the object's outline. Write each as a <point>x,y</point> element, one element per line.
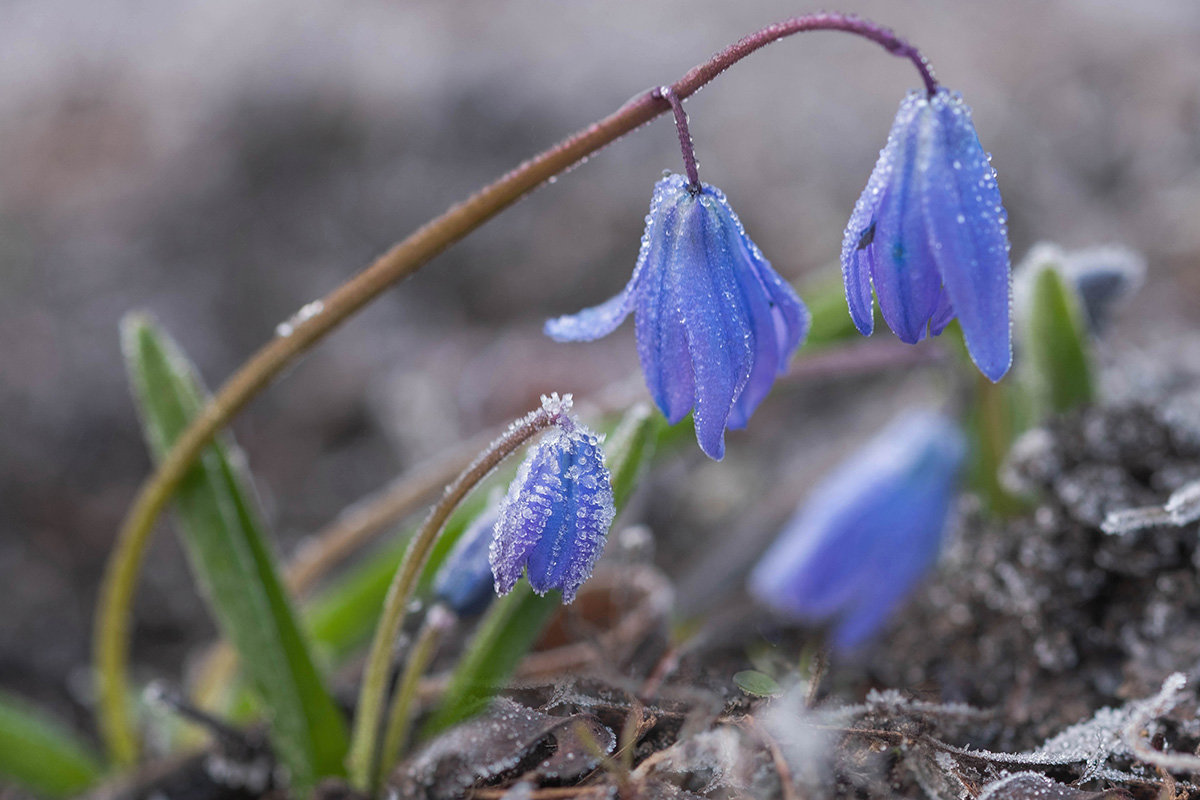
<point>929,233</point>
<point>715,323</point>
<point>553,522</point>
<point>464,581</point>
<point>867,533</point>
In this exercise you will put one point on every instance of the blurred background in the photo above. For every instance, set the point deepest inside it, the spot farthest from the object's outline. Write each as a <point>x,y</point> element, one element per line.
<point>221,163</point>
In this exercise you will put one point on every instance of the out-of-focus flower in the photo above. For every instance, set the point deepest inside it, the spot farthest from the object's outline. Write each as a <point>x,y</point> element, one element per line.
<point>556,515</point>
<point>715,323</point>
<point>930,234</point>
<point>464,581</point>
<point>866,534</point>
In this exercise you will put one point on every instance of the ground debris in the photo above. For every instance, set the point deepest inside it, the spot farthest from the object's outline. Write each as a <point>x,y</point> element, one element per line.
<point>1032,786</point>
<point>508,740</point>
<point>1044,617</point>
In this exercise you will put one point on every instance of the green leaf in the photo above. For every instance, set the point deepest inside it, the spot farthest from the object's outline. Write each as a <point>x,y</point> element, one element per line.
<point>514,622</point>
<point>1056,345</point>
<point>233,563</point>
<point>40,754</point>
<point>630,448</point>
<point>757,683</point>
<point>830,322</point>
<point>994,415</point>
<point>341,617</point>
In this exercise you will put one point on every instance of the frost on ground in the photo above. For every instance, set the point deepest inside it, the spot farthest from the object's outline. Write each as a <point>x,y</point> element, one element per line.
<point>1045,659</point>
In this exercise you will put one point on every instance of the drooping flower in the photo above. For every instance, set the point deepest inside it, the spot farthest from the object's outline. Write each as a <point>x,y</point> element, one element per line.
<point>859,543</point>
<point>464,581</point>
<point>553,522</point>
<point>715,323</point>
<point>930,234</point>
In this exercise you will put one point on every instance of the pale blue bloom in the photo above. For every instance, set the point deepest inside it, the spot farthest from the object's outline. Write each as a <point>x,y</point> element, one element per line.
<point>715,323</point>
<point>868,531</point>
<point>553,522</point>
<point>930,234</point>
<point>464,581</point>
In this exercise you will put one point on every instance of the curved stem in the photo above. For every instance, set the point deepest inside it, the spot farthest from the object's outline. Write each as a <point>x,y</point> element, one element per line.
<point>368,712</point>
<point>686,145</point>
<point>110,645</point>
<point>400,716</point>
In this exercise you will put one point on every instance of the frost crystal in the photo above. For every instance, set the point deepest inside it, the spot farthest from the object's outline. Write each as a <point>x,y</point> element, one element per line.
<point>556,515</point>
<point>1182,508</point>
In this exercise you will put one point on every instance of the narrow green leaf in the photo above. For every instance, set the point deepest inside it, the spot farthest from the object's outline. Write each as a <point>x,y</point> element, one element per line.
<point>993,417</point>
<point>40,754</point>
<point>630,448</point>
<point>1056,345</point>
<point>233,563</point>
<point>830,322</point>
<point>757,683</point>
<point>341,617</point>
<point>514,622</point>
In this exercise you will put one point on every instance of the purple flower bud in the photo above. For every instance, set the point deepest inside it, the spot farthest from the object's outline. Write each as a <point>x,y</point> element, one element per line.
<point>859,543</point>
<point>715,323</point>
<point>930,234</point>
<point>464,581</point>
<point>554,520</point>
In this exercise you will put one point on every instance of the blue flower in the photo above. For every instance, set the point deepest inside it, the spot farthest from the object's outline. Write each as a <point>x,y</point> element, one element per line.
<point>930,234</point>
<point>715,323</point>
<point>555,517</point>
<point>464,581</point>
<point>868,531</point>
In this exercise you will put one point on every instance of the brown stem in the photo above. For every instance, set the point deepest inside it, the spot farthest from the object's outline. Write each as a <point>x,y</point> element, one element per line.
<point>686,146</point>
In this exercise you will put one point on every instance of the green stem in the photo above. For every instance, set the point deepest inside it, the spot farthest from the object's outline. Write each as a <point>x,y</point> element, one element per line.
<point>400,715</point>
<point>111,626</point>
<point>363,745</point>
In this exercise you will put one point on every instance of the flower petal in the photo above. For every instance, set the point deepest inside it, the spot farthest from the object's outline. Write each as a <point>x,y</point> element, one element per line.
<point>968,232</point>
<point>546,558</point>
<point>791,316</point>
<point>718,329</point>
<point>590,513</point>
<point>524,514</point>
<point>595,322</point>
<point>943,314</point>
<point>599,321</point>
<point>767,349</point>
<point>902,267</point>
<point>661,340</point>
<point>464,582</point>
<point>861,231</point>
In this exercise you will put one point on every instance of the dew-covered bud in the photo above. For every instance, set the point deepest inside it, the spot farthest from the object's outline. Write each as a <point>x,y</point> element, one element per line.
<point>553,522</point>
